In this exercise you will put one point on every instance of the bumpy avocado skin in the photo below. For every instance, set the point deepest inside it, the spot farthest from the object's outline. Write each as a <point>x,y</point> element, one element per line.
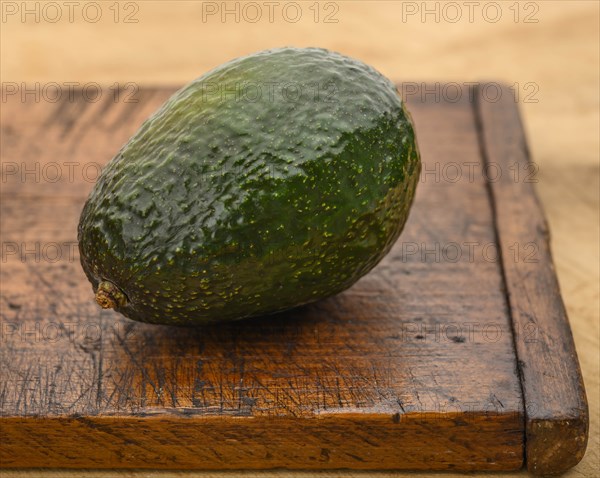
<point>272,181</point>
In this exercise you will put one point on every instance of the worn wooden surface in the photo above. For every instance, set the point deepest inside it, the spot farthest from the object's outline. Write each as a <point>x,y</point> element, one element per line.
<point>556,404</point>
<point>413,368</point>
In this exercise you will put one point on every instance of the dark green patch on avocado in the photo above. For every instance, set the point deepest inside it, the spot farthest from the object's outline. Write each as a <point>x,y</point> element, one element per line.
<point>272,181</point>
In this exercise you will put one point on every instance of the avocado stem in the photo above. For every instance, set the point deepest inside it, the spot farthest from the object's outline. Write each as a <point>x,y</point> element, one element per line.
<point>109,296</point>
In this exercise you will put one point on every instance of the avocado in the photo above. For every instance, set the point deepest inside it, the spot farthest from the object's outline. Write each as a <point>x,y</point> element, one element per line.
<point>274,180</point>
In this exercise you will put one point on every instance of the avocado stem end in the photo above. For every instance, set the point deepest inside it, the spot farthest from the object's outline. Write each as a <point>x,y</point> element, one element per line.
<point>109,296</point>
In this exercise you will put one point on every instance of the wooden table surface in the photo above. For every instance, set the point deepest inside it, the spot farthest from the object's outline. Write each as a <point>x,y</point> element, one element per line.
<point>552,63</point>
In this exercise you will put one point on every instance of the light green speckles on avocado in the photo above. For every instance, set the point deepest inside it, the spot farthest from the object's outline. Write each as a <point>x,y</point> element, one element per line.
<point>223,206</point>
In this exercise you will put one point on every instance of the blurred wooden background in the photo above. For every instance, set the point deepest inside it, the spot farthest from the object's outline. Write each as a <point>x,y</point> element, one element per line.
<point>549,51</point>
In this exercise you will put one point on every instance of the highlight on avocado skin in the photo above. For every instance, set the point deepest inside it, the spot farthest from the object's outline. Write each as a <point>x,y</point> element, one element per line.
<point>272,181</point>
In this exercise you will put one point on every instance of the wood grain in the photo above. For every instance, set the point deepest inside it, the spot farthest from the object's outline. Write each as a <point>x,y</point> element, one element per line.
<point>413,368</point>
<point>555,400</point>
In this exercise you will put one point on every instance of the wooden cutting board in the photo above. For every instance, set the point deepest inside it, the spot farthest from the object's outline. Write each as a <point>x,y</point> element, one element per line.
<point>455,353</point>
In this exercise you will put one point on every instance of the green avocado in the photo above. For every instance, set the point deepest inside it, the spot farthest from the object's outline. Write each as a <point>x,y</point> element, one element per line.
<point>272,181</point>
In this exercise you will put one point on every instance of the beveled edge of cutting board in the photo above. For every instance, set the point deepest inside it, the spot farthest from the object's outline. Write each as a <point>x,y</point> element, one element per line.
<point>556,409</point>
<point>474,441</point>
